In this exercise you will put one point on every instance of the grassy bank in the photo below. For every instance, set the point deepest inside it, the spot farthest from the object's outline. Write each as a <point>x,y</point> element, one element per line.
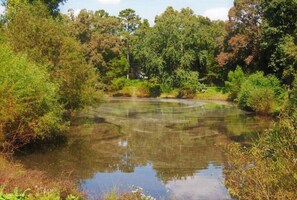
<point>146,89</point>
<point>16,182</point>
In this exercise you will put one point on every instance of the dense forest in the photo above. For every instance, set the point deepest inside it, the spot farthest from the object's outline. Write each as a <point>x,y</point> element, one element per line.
<point>52,64</point>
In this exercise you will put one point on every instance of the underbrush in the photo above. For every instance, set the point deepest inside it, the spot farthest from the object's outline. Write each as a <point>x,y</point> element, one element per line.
<point>18,183</point>
<point>28,100</point>
<point>268,168</point>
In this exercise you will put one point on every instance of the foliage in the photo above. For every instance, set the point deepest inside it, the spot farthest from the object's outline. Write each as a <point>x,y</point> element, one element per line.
<point>51,195</point>
<point>267,170</point>
<point>233,84</point>
<point>52,5</point>
<point>28,101</point>
<point>178,40</point>
<point>97,33</point>
<point>241,44</point>
<point>136,88</point>
<point>187,82</point>
<point>260,93</point>
<point>46,41</point>
<point>118,68</point>
<point>262,100</point>
<point>118,84</point>
<point>279,24</point>
<point>260,35</point>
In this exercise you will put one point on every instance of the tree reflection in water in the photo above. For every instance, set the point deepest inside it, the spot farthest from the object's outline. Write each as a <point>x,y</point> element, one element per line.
<point>169,147</point>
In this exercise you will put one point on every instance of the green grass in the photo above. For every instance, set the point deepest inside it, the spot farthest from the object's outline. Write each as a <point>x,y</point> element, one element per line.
<point>212,93</point>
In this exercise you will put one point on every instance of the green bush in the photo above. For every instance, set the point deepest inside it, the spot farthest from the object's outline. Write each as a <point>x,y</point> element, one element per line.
<point>266,170</point>
<point>118,84</point>
<point>118,67</point>
<point>28,101</point>
<point>233,85</point>
<point>187,82</point>
<point>55,48</point>
<point>154,89</point>
<point>259,93</point>
<point>262,100</point>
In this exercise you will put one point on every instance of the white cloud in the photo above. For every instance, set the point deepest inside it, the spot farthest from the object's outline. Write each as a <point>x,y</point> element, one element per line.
<point>109,1</point>
<point>207,184</point>
<point>2,10</point>
<point>217,13</point>
<point>76,12</point>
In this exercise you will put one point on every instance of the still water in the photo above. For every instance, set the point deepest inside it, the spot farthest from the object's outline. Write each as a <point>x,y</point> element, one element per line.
<point>173,149</point>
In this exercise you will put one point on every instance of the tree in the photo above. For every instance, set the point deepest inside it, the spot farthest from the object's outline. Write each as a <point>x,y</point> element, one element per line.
<point>241,44</point>
<point>179,40</point>
<point>47,42</point>
<point>279,30</point>
<point>28,100</point>
<point>130,22</point>
<point>97,32</point>
<point>52,5</point>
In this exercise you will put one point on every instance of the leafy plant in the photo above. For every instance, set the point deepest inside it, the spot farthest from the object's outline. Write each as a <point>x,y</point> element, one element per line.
<point>235,79</point>
<point>259,93</point>
<point>28,100</point>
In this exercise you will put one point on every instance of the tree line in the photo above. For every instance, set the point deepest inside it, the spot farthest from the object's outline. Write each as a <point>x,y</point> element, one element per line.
<point>53,63</point>
<point>80,56</point>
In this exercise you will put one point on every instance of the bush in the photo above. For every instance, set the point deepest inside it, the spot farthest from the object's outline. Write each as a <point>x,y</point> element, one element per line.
<point>118,84</point>
<point>268,169</point>
<point>262,100</point>
<point>118,67</point>
<point>28,101</point>
<point>55,48</point>
<point>187,82</point>
<point>233,85</point>
<point>154,89</point>
<point>259,93</point>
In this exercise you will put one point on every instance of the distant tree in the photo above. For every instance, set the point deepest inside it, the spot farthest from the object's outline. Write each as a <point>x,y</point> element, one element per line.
<point>52,5</point>
<point>241,44</point>
<point>179,40</point>
<point>98,33</point>
<point>130,22</point>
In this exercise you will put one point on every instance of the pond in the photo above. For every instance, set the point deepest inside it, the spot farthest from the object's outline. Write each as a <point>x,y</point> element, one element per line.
<point>173,149</point>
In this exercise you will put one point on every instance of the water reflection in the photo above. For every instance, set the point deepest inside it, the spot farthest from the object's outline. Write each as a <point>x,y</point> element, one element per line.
<point>168,147</point>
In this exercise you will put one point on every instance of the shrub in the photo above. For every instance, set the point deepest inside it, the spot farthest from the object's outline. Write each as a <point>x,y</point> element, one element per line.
<point>55,48</point>
<point>119,67</point>
<point>233,85</point>
<point>154,89</point>
<point>187,82</point>
<point>118,84</point>
<point>28,101</point>
<point>259,93</point>
<point>268,169</point>
<point>261,100</point>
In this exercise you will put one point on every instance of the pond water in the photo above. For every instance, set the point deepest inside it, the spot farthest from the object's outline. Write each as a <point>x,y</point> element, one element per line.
<point>173,149</point>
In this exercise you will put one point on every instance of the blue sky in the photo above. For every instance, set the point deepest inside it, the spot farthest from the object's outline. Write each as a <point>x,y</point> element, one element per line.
<point>214,9</point>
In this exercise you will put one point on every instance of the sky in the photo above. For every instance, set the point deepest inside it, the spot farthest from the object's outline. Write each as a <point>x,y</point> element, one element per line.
<point>214,9</point>
<point>1,9</point>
